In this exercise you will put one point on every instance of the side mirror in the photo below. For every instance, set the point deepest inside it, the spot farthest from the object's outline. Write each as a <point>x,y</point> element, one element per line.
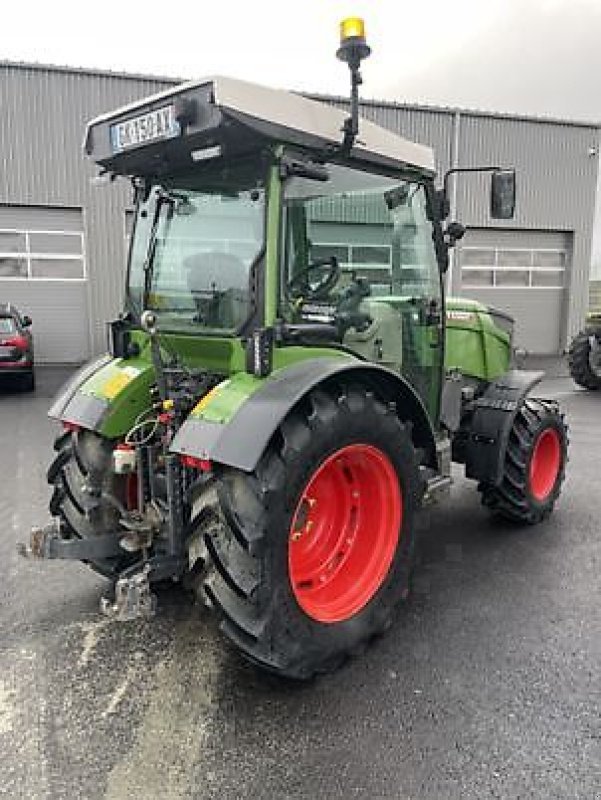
<point>502,194</point>
<point>27,322</point>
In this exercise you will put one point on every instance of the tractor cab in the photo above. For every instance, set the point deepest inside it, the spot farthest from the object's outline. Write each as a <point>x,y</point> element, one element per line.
<point>251,214</point>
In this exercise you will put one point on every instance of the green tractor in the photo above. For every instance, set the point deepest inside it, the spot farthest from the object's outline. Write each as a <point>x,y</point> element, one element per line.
<point>286,386</point>
<point>584,355</point>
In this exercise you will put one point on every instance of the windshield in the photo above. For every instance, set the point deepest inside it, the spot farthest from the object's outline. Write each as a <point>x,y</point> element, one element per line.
<point>195,244</point>
<point>376,228</point>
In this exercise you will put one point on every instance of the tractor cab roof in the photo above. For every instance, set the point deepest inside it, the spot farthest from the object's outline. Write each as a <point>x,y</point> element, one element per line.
<point>201,120</point>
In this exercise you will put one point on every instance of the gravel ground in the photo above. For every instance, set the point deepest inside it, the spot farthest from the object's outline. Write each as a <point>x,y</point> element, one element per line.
<point>488,685</point>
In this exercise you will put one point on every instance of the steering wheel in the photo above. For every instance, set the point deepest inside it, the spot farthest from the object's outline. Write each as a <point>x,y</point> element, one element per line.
<point>300,285</point>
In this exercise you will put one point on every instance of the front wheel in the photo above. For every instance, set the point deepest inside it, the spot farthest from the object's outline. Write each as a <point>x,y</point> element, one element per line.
<point>534,466</point>
<point>585,361</point>
<point>317,547</point>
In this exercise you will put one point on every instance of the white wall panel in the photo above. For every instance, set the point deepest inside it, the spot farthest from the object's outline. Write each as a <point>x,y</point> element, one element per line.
<point>59,313</point>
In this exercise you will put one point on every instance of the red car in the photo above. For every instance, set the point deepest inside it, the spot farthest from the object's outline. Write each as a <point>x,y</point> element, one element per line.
<point>16,346</point>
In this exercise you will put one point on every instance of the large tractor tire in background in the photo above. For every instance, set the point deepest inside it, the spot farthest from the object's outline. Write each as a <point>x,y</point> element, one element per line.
<point>84,460</point>
<point>534,466</point>
<point>317,547</point>
<point>584,363</point>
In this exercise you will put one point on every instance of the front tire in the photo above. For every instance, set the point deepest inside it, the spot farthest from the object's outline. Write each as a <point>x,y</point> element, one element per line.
<point>534,466</point>
<point>582,369</point>
<point>317,547</point>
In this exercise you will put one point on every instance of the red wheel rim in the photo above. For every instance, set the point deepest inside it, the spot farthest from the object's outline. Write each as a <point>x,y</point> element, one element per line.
<point>545,464</point>
<point>344,533</point>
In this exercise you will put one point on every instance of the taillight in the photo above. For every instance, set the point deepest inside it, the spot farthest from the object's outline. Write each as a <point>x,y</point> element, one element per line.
<point>20,342</point>
<point>202,464</point>
<point>72,427</point>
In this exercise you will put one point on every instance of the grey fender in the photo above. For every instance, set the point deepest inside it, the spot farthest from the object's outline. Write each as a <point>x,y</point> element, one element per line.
<point>69,390</point>
<point>493,418</point>
<point>241,442</point>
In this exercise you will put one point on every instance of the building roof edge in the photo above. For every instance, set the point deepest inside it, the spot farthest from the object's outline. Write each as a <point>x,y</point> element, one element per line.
<point>366,102</point>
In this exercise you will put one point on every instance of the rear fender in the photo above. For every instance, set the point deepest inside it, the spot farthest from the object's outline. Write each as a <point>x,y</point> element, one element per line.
<point>69,389</point>
<point>493,418</point>
<point>105,396</point>
<point>240,438</point>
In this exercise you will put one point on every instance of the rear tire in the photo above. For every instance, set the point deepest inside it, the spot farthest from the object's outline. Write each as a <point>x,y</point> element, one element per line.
<point>534,467</point>
<point>354,454</point>
<point>579,361</point>
<point>85,457</point>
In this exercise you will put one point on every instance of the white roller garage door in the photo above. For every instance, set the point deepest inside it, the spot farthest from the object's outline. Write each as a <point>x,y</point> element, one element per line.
<point>43,273</point>
<point>523,273</point>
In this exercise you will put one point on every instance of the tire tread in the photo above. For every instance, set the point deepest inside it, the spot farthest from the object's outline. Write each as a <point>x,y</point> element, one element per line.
<point>511,498</point>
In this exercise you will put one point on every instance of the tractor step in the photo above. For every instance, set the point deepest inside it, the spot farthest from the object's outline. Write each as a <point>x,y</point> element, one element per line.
<point>133,599</point>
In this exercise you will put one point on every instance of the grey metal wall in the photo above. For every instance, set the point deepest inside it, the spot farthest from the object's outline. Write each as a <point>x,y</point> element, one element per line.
<point>43,112</point>
<point>594,300</point>
<point>557,165</point>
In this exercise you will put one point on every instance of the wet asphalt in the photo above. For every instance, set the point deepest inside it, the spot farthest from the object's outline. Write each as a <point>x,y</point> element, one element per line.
<point>487,686</point>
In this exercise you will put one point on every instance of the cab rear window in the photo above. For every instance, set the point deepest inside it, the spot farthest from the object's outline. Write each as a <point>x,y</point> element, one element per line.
<point>7,325</point>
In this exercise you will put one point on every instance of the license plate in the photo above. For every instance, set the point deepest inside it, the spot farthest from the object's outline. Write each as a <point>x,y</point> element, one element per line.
<point>8,354</point>
<point>149,127</point>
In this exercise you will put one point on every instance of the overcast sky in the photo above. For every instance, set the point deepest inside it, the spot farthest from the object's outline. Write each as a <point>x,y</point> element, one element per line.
<point>541,56</point>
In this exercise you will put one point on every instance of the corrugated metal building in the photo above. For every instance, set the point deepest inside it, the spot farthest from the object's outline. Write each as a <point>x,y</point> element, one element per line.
<point>63,238</point>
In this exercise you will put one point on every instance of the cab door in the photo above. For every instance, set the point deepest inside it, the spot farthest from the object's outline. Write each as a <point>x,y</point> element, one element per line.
<point>417,294</point>
<point>378,230</point>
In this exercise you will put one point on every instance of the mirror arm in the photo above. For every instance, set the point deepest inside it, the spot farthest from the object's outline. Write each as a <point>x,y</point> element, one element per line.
<point>441,248</point>
<point>455,170</point>
<point>443,194</point>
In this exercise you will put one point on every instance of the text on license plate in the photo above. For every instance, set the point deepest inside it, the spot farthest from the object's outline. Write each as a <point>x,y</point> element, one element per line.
<point>157,124</point>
